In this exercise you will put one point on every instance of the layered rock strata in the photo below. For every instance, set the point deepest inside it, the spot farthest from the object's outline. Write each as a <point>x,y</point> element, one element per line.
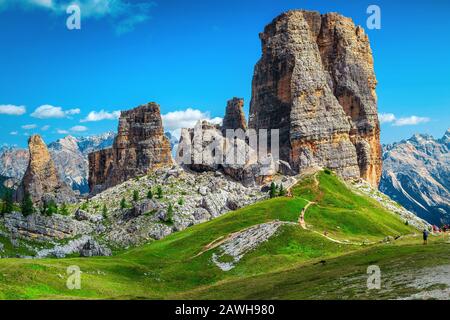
<point>315,83</point>
<point>139,147</point>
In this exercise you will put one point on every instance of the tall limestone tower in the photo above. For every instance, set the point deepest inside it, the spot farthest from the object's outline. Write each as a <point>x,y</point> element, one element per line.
<point>315,82</point>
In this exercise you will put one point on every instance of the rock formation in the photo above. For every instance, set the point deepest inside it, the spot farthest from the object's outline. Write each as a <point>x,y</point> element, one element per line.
<point>41,180</point>
<point>139,147</point>
<point>234,115</point>
<point>315,83</point>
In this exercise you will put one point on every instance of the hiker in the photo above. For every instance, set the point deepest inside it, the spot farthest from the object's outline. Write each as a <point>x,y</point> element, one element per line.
<point>425,236</point>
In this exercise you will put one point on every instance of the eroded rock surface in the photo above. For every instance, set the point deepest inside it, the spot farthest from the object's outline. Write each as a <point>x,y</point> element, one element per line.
<point>315,83</point>
<point>139,147</point>
<point>41,180</point>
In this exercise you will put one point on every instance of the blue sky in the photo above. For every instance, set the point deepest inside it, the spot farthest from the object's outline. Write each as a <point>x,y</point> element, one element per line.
<point>191,57</point>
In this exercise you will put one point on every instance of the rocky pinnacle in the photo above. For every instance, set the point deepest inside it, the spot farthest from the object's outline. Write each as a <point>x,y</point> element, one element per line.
<point>315,82</point>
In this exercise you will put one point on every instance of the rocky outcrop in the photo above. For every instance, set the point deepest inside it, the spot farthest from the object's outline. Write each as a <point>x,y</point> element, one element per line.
<point>234,115</point>
<point>416,174</point>
<point>41,228</point>
<point>315,83</point>
<point>205,148</point>
<point>41,180</point>
<point>140,147</point>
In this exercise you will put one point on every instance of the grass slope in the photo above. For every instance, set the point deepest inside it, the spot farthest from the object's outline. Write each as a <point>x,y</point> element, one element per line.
<point>172,268</point>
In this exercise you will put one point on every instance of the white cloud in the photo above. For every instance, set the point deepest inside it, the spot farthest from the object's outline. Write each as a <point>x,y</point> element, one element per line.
<point>124,14</point>
<point>386,117</point>
<point>101,115</point>
<point>47,111</point>
<point>400,122</point>
<point>45,128</point>
<point>176,120</point>
<point>78,129</point>
<point>11,109</point>
<point>14,133</point>
<point>411,121</point>
<point>62,131</point>
<point>29,126</point>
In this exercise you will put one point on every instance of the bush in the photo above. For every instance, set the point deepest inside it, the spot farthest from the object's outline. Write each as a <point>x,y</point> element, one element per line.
<point>150,194</point>
<point>327,171</point>
<point>181,201</point>
<point>49,208</point>
<point>104,211</point>
<point>135,195</point>
<point>26,206</point>
<point>84,206</point>
<point>64,211</point>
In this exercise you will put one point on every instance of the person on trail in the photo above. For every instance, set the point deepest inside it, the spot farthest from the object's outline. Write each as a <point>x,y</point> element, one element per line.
<point>425,236</point>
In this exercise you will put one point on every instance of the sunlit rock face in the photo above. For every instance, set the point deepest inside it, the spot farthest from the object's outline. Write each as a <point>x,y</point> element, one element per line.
<point>315,82</point>
<point>139,147</point>
<point>41,180</point>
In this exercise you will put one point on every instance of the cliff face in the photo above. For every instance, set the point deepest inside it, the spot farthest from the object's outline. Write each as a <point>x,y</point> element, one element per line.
<point>41,180</point>
<point>315,83</point>
<point>139,147</point>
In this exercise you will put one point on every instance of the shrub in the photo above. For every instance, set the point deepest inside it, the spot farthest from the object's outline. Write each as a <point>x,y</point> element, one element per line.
<point>327,171</point>
<point>64,210</point>
<point>150,194</point>
<point>181,201</point>
<point>49,208</point>
<point>104,211</point>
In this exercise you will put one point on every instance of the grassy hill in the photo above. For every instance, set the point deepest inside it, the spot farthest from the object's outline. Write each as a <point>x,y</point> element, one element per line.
<point>294,263</point>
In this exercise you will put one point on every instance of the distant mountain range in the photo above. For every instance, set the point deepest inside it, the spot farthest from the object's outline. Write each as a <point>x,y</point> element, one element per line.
<point>69,154</point>
<point>416,173</point>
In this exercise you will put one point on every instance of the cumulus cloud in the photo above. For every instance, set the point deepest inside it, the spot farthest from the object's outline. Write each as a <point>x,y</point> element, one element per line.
<point>176,120</point>
<point>101,115</point>
<point>78,129</point>
<point>124,14</point>
<point>400,122</point>
<point>14,133</point>
<point>29,126</point>
<point>60,131</point>
<point>11,109</point>
<point>386,117</point>
<point>47,111</point>
<point>45,128</point>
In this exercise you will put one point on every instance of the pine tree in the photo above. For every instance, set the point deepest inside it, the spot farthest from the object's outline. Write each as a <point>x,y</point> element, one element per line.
<point>50,208</point>
<point>8,204</point>
<point>282,191</point>
<point>123,203</point>
<point>104,211</point>
<point>135,195</point>
<point>150,194</point>
<point>273,190</point>
<point>26,206</point>
<point>159,192</point>
<point>170,213</point>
